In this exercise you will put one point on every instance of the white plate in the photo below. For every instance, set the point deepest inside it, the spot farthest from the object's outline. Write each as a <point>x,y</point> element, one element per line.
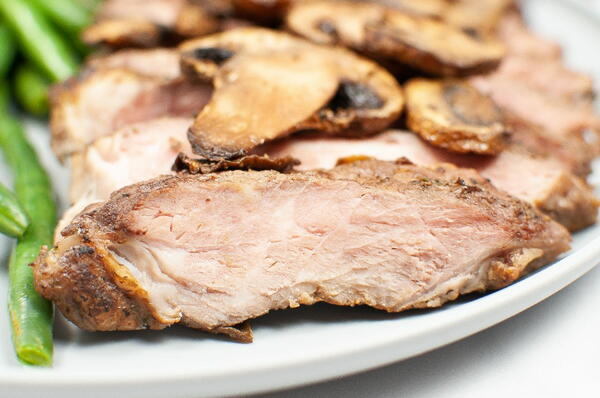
<point>299,346</point>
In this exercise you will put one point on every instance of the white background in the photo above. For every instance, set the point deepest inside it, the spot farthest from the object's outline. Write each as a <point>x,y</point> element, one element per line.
<point>550,350</point>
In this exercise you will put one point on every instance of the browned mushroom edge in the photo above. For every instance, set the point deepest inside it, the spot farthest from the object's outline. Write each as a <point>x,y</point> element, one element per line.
<point>429,45</point>
<point>452,114</point>
<point>269,84</point>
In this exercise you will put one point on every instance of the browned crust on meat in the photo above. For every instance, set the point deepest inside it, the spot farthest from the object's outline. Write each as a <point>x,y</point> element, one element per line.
<point>89,292</point>
<point>107,297</point>
<point>571,202</point>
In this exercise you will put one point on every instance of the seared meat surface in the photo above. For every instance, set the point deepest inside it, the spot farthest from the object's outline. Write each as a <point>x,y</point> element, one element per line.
<point>542,181</point>
<point>212,251</point>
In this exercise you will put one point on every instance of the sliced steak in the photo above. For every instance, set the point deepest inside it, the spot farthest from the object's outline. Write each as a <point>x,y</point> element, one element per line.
<point>156,62</point>
<point>135,153</point>
<point>542,181</point>
<point>211,251</point>
<point>533,83</point>
<point>97,103</point>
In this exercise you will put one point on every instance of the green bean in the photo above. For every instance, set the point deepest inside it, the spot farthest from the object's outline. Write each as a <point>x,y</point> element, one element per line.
<point>13,220</point>
<point>31,90</point>
<point>7,49</point>
<point>4,97</point>
<point>30,314</point>
<point>68,15</point>
<point>90,5</point>
<point>39,41</point>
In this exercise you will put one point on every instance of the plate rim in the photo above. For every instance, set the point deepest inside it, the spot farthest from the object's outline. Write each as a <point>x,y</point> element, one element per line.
<point>497,306</point>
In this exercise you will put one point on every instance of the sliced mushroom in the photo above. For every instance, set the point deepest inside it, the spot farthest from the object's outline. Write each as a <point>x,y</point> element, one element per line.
<point>269,84</point>
<point>425,8</point>
<point>261,10</point>
<point>477,15</point>
<point>426,44</point>
<point>195,20</point>
<point>119,33</point>
<point>453,115</point>
<point>149,23</point>
<point>185,164</point>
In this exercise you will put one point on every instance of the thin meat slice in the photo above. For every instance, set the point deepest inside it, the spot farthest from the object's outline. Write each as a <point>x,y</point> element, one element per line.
<point>96,103</point>
<point>533,83</point>
<point>542,181</point>
<point>155,62</point>
<point>135,153</point>
<point>575,155</point>
<point>212,251</point>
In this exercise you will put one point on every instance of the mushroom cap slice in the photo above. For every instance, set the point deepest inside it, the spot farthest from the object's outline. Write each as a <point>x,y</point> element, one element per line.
<point>261,10</point>
<point>149,23</point>
<point>195,20</point>
<point>477,15</point>
<point>119,33</point>
<point>269,84</point>
<point>425,8</point>
<point>426,44</point>
<point>249,107</point>
<point>453,115</point>
<point>334,22</point>
<point>432,46</point>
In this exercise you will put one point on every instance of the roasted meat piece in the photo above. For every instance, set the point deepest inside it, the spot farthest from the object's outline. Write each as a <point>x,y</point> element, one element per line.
<point>212,251</point>
<point>155,62</point>
<point>534,84</point>
<point>97,103</point>
<point>425,44</point>
<point>452,114</point>
<point>542,181</point>
<point>269,84</point>
<point>137,152</point>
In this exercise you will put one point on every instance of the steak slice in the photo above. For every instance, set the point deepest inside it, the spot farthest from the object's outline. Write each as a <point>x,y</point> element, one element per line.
<point>134,153</point>
<point>155,62</point>
<point>96,103</point>
<point>212,251</point>
<point>542,181</point>
<point>533,83</point>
